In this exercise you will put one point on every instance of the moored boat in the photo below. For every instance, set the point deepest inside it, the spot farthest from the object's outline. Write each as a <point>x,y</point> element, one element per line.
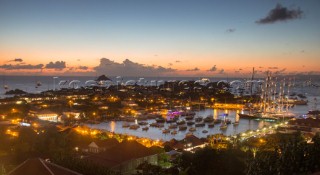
<point>211,125</point>
<point>198,119</point>
<point>208,119</point>
<point>181,122</point>
<point>173,126</point>
<point>192,129</point>
<point>189,117</point>
<point>166,131</point>
<point>183,128</point>
<point>174,132</point>
<point>189,123</point>
<point>145,128</point>
<point>134,127</point>
<point>199,124</point>
<point>223,126</point>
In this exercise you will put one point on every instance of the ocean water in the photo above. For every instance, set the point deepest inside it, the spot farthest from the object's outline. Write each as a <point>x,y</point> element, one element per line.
<point>305,85</point>
<point>156,133</point>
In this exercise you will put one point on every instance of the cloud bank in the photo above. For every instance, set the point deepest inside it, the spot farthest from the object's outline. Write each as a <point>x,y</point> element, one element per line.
<point>280,13</point>
<point>21,66</point>
<point>213,69</point>
<point>130,68</point>
<point>194,69</point>
<point>16,60</point>
<point>58,65</point>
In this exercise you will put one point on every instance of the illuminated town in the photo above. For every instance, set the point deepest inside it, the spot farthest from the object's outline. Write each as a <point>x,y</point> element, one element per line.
<point>159,87</point>
<point>65,118</point>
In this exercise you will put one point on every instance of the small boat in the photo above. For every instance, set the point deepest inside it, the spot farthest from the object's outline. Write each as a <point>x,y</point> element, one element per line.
<point>200,124</point>
<point>6,87</point>
<point>173,126</point>
<point>235,123</point>
<point>154,124</point>
<point>38,84</point>
<point>145,128</point>
<point>166,131</point>
<point>204,131</point>
<point>170,120</point>
<point>182,128</point>
<point>142,123</point>
<point>125,125</point>
<point>181,122</point>
<point>198,119</point>
<point>160,120</point>
<point>217,121</point>
<point>223,126</point>
<point>174,132</point>
<point>208,119</point>
<point>189,117</point>
<point>189,123</point>
<point>134,127</point>
<point>211,125</point>
<point>192,129</point>
<point>160,125</point>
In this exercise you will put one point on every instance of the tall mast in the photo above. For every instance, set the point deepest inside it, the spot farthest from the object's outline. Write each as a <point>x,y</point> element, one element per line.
<point>252,76</point>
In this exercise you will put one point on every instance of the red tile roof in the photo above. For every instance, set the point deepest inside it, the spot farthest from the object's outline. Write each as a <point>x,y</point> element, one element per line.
<point>38,166</point>
<point>309,122</point>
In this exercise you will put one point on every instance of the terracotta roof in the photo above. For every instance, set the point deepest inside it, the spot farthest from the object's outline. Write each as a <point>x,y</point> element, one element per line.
<point>310,122</point>
<point>195,141</point>
<point>38,166</point>
<point>122,152</point>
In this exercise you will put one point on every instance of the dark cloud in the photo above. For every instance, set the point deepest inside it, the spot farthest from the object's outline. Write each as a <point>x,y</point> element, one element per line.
<point>58,65</point>
<point>194,69</point>
<point>280,71</point>
<point>170,64</point>
<point>19,66</point>
<point>273,68</point>
<point>221,71</point>
<point>212,69</point>
<point>83,67</point>
<point>230,30</point>
<point>17,60</point>
<point>178,61</point>
<point>280,13</point>
<point>129,68</point>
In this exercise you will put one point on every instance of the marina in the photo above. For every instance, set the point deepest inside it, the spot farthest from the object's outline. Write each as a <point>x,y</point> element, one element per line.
<point>166,131</point>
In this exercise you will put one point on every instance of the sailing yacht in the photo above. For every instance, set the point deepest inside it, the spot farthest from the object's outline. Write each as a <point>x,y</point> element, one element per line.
<point>224,124</point>
<point>272,101</point>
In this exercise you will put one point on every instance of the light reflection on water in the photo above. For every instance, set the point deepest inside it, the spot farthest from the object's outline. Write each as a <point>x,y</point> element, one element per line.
<point>156,133</point>
<point>244,124</point>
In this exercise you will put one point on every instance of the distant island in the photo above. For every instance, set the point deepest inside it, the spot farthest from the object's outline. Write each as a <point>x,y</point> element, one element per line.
<point>15,92</point>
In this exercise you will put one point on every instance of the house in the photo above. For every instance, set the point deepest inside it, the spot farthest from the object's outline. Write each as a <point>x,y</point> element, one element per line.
<point>39,166</point>
<point>72,113</point>
<point>125,157</point>
<point>308,125</point>
<point>189,143</point>
<point>99,146</point>
<point>45,115</point>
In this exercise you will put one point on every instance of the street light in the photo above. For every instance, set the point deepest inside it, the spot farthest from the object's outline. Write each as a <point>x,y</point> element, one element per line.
<point>54,83</point>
